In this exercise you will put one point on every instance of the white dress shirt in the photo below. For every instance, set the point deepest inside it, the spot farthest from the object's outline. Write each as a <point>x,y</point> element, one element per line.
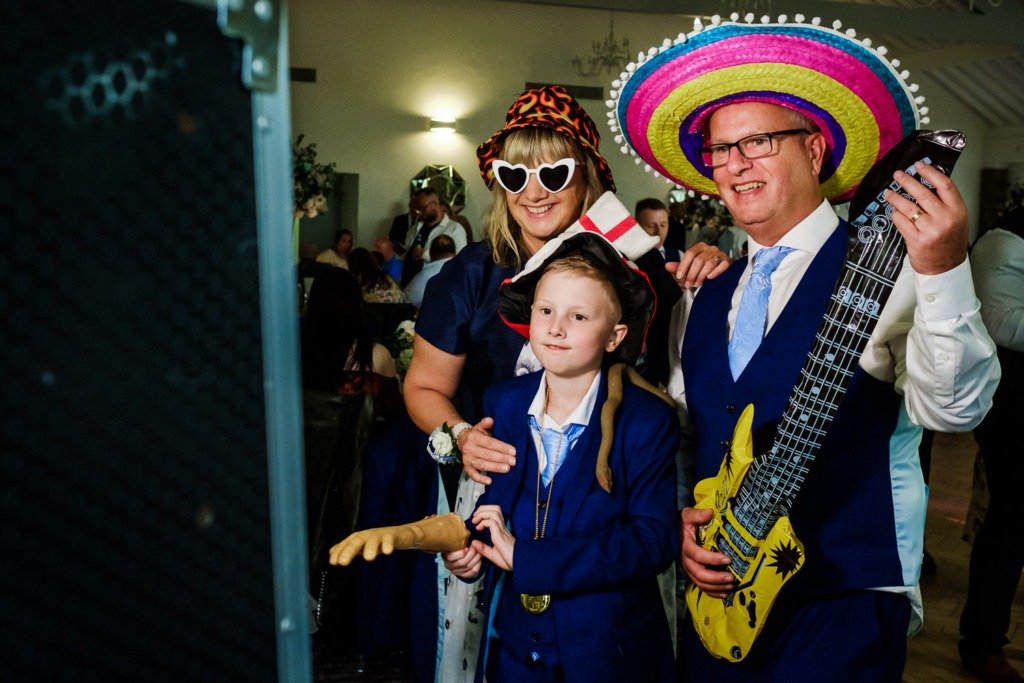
<point>997,260</point>
<point>930,339</point>
<point>446,226</point>
<point>580,416</point>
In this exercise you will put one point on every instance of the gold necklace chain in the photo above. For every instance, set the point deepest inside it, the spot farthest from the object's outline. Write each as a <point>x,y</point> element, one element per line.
<point>540,529</point>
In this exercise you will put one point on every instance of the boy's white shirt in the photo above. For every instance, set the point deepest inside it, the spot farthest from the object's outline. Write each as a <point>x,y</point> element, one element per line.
<point>580,415</point>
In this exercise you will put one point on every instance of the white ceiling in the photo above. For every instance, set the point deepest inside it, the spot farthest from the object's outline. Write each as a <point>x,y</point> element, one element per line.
<point>975,47</point>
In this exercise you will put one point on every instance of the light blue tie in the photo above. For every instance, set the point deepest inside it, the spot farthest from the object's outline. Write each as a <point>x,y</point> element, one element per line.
<point>753,314</point>
<point>557,443</point>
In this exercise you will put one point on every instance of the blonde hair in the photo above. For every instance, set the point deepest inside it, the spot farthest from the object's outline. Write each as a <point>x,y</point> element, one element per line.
<point>585,268</point>
<point>532,146</point>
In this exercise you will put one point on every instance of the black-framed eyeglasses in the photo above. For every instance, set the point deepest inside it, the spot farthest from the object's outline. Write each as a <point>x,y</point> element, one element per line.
<point>552,177</point>
<point>751,147</point>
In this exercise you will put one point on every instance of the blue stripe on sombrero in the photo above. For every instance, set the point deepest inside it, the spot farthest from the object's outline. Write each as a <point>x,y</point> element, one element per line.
<point>706,37</point>
<point>691,143</point>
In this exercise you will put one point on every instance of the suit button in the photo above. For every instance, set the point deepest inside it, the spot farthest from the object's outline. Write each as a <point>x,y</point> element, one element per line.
<point>535,637</point>
<point>725,445</point>
<point>730,409</point>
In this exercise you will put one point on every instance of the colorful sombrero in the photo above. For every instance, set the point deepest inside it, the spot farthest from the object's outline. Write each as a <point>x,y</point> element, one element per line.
<point>856,96</point>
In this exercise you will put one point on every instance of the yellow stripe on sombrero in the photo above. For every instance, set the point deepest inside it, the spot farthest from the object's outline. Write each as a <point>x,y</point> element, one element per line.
<point>850,113</point>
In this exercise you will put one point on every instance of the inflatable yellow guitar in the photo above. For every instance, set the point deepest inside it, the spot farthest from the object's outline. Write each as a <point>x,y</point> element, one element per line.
<point>751,497</point>
<point>761,565</point>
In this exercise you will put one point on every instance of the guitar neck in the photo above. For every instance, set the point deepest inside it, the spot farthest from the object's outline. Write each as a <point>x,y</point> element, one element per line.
<point>774,480</point>
<point>873,262</point>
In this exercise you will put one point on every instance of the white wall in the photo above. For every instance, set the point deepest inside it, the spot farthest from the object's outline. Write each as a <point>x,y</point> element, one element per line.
<point>1005,149</point>
<point>384,67</point>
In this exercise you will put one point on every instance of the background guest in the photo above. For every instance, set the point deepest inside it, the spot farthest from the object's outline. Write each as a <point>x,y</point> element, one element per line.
<point>997,264</point>
<point>653,217</point>
<point>378,287</point>
<point>308,267</point>
<point>390,263</point>
<point>442,249</point>
<point>431,222</point>
<point>337,255</point>
<point>350,388</point>
<point>399,230</point>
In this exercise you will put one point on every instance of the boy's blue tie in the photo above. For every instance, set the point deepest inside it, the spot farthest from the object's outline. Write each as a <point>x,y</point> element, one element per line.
<point>557,443</point>
<point>753,313</point>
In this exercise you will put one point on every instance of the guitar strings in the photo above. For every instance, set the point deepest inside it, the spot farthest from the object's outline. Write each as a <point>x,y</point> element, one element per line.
<point>845,332</point>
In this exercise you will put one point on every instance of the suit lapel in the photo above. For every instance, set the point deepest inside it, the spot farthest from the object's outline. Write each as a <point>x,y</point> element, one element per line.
<point>583,457</point>
<point>505,487</point>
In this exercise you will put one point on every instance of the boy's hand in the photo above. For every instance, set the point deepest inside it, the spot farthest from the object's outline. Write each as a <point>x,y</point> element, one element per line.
<point>482,453</point>
<point>465,563</point>
<point>500,553</point>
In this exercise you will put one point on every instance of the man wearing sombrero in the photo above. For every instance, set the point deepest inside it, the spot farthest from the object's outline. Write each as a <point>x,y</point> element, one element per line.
<point>779,120</point>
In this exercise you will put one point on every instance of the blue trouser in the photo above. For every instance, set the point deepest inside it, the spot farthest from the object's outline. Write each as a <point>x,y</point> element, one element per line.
<point>856,636</point>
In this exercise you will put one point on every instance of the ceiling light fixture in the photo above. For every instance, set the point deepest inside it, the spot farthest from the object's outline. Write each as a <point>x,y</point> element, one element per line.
<point>442,125</point>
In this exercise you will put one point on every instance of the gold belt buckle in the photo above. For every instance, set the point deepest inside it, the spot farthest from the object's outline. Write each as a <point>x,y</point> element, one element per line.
<point>535,604</point>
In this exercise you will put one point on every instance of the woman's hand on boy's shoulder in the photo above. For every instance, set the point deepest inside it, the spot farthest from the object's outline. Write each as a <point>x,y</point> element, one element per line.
<point>482,453</point>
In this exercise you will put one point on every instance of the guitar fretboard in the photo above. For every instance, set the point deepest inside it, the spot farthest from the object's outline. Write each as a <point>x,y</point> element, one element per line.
<point>872,264</point>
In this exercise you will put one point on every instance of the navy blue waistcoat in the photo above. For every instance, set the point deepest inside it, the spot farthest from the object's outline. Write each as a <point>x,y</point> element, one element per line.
<point>843,513</point>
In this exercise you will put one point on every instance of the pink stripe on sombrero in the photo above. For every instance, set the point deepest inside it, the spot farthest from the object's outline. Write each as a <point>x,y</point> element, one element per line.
<point>614,232</point>
<point>739,50</point>
<point>851,115</point>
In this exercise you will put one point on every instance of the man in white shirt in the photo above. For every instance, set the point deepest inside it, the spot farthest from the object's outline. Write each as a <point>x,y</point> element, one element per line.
<point>775,150</point>
<point>997,261</point>
<point>431,222</point>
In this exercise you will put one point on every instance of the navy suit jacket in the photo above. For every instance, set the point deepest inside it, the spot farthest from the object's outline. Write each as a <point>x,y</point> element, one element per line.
<point>601,556</point>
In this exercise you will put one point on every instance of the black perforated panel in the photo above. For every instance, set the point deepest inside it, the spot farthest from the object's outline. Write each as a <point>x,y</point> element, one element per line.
<point>134,524</point>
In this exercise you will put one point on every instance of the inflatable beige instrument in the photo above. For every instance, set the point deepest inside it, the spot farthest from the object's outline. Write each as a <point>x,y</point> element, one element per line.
<point>434,534</point>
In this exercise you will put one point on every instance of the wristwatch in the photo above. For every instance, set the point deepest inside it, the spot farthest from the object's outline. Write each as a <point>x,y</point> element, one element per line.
<point>443,444</point>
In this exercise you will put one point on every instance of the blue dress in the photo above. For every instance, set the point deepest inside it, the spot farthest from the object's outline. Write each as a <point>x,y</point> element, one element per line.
<point>459,315</point>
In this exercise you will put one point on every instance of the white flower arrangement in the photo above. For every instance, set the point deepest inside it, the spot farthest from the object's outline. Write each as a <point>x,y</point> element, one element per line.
<point>406,330</point>
<point>442,441</point>
<point>313,181</point>
<point>401,345</point>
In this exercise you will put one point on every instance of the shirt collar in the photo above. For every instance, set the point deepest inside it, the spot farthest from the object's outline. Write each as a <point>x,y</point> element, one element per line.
<point>808,235</point>
<point>581,414</point>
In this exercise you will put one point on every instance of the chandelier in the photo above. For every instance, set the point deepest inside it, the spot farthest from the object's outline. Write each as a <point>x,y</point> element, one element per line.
<point>608,56</point>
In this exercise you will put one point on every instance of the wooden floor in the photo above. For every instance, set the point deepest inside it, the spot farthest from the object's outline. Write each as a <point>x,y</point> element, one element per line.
<point>932,655</point>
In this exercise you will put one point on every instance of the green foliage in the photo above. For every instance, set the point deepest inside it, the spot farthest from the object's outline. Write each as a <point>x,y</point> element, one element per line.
<point>313,181</point>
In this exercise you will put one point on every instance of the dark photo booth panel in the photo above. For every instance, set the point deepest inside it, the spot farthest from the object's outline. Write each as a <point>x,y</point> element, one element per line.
<point>136,520</point>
